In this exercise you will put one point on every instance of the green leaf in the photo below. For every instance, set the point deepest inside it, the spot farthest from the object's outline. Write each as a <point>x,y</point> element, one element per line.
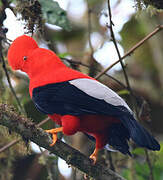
<point>53,14</point>
<point>63,55</point>
<point>123,92</point>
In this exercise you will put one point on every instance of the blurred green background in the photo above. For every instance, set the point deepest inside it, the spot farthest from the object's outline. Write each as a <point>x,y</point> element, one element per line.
<point>78,32</point>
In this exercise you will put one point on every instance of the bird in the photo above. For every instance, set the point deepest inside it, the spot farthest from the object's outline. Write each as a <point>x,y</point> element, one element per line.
<point>76,101</point>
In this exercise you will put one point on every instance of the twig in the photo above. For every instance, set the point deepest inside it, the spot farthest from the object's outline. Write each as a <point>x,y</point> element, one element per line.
<point>116,46</point>
<point>110,159</point>
<point>151,177</point>
<point>7,146</point>
<point>88,66</point>
<point>29,130</point>
<point>43,122</point>
<point>89,28</point>
<point>20,107</point>
<point>129,52</point>
<point>120,59</point>
<point>92,61</point>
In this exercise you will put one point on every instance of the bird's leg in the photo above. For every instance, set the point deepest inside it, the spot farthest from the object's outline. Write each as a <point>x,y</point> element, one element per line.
<point>94,155</point>
<point>54,134</point>
<point>100,143</point>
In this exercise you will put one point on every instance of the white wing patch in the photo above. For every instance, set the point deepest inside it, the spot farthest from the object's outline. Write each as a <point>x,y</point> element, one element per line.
<point>100,91</point>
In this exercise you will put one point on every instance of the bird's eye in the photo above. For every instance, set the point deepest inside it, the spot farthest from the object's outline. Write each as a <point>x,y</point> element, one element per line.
<point>25,58</point>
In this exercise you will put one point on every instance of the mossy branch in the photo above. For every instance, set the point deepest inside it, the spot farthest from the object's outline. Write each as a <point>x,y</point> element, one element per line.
<point>27,129</point>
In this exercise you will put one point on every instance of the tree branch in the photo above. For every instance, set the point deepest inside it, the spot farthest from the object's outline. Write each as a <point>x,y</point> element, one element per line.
<point>130,51</point>
<point>27,129</point>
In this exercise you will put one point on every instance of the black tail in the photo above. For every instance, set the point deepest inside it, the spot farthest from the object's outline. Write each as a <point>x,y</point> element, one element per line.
<point>139,134</point>
<point>118,137</point>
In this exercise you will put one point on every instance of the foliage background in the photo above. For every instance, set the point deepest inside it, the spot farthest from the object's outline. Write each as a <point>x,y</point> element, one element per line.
<point>74,42</point>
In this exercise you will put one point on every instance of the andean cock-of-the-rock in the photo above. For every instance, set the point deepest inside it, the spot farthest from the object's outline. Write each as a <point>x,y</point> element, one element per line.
<point>76,101</point>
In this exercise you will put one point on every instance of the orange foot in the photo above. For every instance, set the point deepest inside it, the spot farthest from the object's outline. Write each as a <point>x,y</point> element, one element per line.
<point>54,134</point>
<point>93,156</point>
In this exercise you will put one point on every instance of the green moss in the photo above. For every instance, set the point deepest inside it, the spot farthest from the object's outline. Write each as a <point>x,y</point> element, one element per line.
<point>31,13</point>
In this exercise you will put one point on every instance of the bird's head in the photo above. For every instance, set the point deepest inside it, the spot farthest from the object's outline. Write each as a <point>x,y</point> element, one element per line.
<point>20,51</point>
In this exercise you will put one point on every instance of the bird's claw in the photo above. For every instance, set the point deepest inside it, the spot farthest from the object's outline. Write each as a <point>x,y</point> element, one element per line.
<point>94,155</point>
<point>93,158</point>
<point>54,139</point>
<point>54,134</point>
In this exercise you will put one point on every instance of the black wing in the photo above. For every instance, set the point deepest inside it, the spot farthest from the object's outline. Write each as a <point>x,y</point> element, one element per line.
<point>64,98</point>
